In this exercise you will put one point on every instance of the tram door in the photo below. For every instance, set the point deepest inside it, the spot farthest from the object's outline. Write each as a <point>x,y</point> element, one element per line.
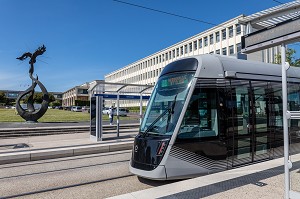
<point>250,120</point>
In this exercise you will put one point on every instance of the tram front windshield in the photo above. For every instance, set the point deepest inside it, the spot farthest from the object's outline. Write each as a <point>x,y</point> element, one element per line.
<point>166,104</point>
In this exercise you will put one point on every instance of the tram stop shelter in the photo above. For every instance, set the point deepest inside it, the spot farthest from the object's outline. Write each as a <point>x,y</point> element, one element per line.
<point>278,26</point>
<point>101,91</point>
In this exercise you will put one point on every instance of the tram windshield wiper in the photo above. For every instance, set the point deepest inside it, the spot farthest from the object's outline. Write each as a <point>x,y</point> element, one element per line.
<point>169,110</point>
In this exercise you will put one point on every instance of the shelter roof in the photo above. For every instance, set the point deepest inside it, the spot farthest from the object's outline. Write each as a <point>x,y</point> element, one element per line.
<point>273,16</point>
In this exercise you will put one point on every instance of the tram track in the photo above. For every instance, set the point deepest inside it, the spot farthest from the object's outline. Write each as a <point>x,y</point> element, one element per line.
<point>67,187</point>
<point>60,170</point>
<point>61,174</point>
<point>88,176</point>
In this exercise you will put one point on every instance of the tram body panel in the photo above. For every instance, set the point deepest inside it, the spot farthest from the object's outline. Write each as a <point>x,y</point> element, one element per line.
<point>177,168</point>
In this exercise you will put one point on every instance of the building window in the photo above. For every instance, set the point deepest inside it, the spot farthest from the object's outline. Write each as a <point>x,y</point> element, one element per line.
<point>170,54</point>
<point>223,34</point>
<point>218,51</point>
<point>195,45</point>
<point>82,91</point>
<point>200,43</point>
<point>185,49</point>
<point>217,37</point>
<point>230,29</point>
<point>177,52</point>
<point>173,53</point>
<point>224,51</point>
<point>181,50</point>
<point>159,58</point>
<point>238,48</point>
<point>238,29</point>
<point>205,41</point>
<point>167,57</point>
<point>191,46</point>
<point>211,39</point>
<point>231,50</point>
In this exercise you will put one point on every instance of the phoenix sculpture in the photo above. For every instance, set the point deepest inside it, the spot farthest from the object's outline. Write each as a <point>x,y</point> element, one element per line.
<point>31,114</point>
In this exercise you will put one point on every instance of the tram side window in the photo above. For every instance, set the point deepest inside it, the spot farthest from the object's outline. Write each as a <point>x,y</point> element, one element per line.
<point>276,106</point>
<point>294,97</point>
<point>294,105</point>
<point>201,119</point>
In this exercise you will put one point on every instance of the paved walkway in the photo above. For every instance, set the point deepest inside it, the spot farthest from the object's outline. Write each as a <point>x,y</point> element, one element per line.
<point>263,180</point>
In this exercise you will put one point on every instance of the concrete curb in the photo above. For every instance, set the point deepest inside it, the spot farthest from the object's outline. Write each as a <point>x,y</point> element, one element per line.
<point>26,156</point>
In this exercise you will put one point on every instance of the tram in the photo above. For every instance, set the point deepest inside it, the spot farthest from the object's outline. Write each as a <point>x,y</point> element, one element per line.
<point>209,113</point>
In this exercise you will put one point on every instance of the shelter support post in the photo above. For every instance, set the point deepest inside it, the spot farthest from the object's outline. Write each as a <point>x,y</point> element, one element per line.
<point>285,123</point>
<point>141,108</point>
<point>118,122</point>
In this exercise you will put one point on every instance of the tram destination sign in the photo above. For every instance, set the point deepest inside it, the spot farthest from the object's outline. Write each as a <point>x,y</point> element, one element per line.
<point>284,32</point>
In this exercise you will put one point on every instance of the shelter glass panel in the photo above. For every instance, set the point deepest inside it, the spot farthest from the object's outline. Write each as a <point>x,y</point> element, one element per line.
<point>240,100</point>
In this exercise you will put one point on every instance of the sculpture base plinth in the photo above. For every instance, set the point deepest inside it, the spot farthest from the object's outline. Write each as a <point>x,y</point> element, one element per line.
<point>32,122</point>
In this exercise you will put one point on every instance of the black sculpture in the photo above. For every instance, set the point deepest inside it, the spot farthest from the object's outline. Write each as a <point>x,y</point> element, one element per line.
<point>32,115</point>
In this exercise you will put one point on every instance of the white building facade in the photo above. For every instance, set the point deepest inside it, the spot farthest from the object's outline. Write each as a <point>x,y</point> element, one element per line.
<point>224,39</point>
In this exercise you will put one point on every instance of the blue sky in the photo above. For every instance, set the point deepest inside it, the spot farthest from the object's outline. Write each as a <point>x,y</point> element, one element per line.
<point>87,39</point>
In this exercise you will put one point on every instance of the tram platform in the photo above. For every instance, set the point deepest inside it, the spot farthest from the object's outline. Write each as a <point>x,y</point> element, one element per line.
<point>263,180</point>
<point>30,148</point>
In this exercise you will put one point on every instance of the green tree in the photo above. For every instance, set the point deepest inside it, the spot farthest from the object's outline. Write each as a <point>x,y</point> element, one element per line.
<point>290,57</point>
<point>38,98</point>
<point>3,98</point>
<point>55,103</point>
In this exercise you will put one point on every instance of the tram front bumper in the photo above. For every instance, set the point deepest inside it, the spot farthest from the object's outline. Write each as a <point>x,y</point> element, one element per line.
<point>159,173</point>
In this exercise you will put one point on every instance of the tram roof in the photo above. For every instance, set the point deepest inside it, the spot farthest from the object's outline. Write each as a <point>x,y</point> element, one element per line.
<point>217,66</point>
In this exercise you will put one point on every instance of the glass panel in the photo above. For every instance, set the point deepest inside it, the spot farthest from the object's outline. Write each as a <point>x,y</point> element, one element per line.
<point>93,116</point>
<point>201,118</point>
<point>240,103</point>
<point>244,148</point>
<point>276,118</point>
<point>260,100</point>
<point>261,145</point>
<point>242,109</point>
<point>294,133</point>
<point>166,103</point>
<point>260,106</point>
<point>294,150</point>
<point>294,125</point>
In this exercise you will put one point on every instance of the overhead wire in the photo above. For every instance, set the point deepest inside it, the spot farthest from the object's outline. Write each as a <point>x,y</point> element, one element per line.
<point>177,15</point>
<point>164,12</point>
<point>277,1</point>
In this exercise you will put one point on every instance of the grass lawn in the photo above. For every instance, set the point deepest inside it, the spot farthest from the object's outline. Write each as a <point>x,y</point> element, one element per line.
<point>52,115</point>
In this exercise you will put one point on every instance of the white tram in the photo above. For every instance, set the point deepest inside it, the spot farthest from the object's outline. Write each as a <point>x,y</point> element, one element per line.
<point>209,113</point>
